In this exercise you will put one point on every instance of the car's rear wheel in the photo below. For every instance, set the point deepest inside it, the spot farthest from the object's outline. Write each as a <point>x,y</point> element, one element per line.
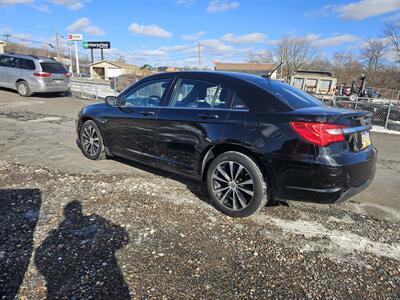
<point>91,141</point>
<point>23,89</point>
<point>236,184</point>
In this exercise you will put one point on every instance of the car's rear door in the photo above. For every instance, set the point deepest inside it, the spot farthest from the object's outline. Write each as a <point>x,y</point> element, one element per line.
<point>191,121</point>
<point>130,127</point>
<point>27,68</point>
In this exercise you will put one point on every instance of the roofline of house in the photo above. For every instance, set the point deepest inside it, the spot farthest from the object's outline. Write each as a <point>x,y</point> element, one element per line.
<point>114,64</point>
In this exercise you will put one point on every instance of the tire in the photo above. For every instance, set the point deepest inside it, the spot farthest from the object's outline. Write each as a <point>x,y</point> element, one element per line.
<point>23,89</point>
<point>239,197</point>
<point>88,135</point>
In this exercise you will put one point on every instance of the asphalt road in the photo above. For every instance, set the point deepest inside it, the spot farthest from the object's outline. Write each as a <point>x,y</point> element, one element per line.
<point>111,229</point>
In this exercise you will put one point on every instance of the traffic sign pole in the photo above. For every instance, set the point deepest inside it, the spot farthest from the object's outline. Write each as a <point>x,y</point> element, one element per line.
<point>77,58</point>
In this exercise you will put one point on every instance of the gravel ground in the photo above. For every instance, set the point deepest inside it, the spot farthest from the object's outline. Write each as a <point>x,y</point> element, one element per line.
<point>97,236</point>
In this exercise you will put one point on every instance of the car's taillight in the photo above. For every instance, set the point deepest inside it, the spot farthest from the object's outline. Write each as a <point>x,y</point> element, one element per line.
<point>68,74</point>
<point>321,134</point>
<point>42,74</point>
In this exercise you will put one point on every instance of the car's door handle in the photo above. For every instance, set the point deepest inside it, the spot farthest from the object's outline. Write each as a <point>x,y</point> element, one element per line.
<point>208,116</point>
<point>147,113</point>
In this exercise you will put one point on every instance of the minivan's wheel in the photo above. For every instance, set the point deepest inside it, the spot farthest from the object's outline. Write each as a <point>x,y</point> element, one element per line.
<point>236,184</point>
<point>23,89</point>
<point>91,141</point>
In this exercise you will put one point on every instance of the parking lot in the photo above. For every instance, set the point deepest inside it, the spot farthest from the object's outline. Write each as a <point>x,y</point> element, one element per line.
<point>95,227</point>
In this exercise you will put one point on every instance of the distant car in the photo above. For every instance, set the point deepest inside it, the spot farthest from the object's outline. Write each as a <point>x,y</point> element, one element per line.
<point>249,138</point>
<point>371,93</point>
<point>28,74</point>
<point>82,75</point>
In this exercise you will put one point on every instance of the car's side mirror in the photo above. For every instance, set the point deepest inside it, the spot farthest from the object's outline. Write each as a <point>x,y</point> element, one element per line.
<point>111,100</point>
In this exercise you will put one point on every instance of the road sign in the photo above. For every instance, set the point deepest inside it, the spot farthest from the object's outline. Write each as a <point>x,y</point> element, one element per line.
<point>96,45</point>
<point>75,37</point>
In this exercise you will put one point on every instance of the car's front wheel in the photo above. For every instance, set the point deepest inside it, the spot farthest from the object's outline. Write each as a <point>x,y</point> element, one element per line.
<point>91,141</point>
<point>236,184</point>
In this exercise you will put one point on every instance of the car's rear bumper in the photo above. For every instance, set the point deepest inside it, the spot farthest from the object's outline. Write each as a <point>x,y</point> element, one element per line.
<point>52,89</point>
<point>313,182</point>
<point>43,87</point>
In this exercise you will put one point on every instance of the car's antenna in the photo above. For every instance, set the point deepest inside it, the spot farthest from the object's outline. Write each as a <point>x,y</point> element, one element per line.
<point>269,74</point>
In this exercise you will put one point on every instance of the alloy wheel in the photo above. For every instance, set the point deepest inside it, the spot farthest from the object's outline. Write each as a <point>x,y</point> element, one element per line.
<point>23,90</point>
<point>232,185</point>
<point>90,140</point>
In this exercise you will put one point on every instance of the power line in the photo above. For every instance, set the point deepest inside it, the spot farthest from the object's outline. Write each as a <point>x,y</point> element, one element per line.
<point>8,36</point>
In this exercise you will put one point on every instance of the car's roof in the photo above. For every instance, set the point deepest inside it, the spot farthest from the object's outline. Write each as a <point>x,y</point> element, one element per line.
<point>34,57</point>
<point>244,76</point>
<point>224,74</point>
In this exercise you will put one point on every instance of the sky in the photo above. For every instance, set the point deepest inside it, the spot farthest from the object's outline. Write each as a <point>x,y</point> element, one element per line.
<point>171,32</point>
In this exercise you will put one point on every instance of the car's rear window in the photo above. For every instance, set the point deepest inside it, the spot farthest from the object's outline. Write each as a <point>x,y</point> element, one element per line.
<point>55,68</point>
<point>293,97</point>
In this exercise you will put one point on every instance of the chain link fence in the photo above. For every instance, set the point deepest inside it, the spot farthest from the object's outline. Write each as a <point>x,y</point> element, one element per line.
<point>385,112</point>
<point>87,88</point>
<point>91,89</point>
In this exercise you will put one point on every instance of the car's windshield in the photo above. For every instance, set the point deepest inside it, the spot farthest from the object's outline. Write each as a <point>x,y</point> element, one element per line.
<point>288,94</point>
<point>55,68</point>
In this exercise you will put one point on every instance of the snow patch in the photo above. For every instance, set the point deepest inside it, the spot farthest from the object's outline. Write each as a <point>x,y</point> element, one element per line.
<point>382,129</point>
<point>334,244</point>
<point>342,241</point>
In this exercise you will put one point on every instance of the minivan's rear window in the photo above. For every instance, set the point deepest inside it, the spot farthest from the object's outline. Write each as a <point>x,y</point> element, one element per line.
<point>54,68</point>
<point>288,94</point>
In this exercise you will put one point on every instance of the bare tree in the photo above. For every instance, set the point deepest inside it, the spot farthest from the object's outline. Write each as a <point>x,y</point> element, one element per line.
<point>295,53</point>
<point>371,54</point>
<point>346,67</point>
<point>261,57</point>
<point>392,32</point>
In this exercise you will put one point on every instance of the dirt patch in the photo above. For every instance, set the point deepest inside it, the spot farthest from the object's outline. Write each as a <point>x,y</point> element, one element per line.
<point>153,237</point>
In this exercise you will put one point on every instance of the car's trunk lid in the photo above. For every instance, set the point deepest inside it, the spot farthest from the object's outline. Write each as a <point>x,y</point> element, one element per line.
<point>57,72</point>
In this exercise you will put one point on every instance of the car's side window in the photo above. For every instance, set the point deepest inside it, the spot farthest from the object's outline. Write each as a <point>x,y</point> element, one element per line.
<point>8,61</point>
<point>146,94</point>
<point>3,60</point>
<point>26,64</point>
<point>193,93</point>
<point>238,103</point>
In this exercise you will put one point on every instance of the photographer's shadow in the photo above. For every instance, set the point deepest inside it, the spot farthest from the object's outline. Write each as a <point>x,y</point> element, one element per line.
<point>78,258</point>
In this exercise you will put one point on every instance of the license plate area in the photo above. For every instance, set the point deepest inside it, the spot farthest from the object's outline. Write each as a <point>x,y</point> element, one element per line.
<point>361,141</point>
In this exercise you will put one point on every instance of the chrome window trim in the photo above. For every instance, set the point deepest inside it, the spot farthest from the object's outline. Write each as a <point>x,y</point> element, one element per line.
<point>185,108</point>
<point>351,130</point>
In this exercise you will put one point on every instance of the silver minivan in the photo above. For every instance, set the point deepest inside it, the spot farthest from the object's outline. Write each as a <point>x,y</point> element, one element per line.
<point>28,74</point>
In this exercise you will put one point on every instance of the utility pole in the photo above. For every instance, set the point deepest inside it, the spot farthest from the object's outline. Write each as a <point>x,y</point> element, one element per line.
<point>199,54</point>
<point>7,36</point>
<point>283,61</point>
<point>58,45</point>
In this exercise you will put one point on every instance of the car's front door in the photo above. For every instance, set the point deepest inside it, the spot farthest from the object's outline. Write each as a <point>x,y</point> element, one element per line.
<point>9,72</point>
<point>130,126</point>
<point>192,121</point>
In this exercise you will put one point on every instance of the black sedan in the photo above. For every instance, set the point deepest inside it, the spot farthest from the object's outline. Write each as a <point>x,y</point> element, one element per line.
<point>251,139</point>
